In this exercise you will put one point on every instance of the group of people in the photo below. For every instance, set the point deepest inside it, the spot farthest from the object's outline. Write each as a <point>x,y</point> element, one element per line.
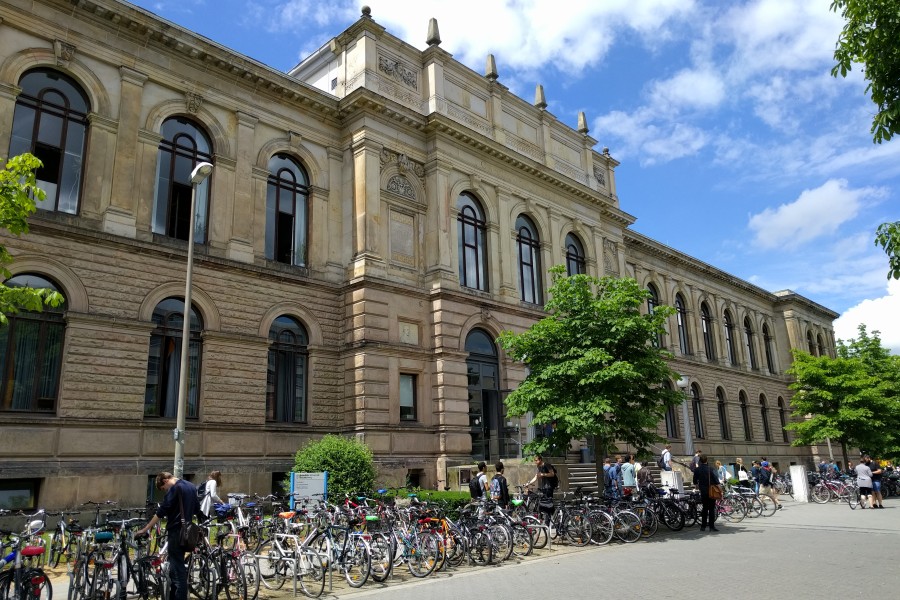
<point>868,479</point>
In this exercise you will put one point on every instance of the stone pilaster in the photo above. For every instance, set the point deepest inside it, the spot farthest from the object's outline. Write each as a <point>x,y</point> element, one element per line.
<point>242,209</point>
<point>8,95</point>
<point>366,204</point>
<point>98,170</point>
<point>145,162</point>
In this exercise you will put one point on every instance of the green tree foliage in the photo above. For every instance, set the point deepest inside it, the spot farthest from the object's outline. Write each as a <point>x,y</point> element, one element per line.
<point>594,368</point>
<point>853,398</point>
<point>350,466</point>
<point>888,237</point>
<point>871,36</point>
<point>18,190</point>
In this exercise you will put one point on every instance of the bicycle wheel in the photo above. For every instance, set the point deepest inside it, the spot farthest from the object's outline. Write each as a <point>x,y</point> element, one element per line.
<point>732,509</point>
<point>537,530</point>
<point>754,506</point>
<point>146,578</point>
<point>481,548</point>
<point>272,568</point>
<point>423,555</point>
<point>56,550</point>
<point>820,493</point>
<point>356,563</point>
<point>522,542</point>
<point>250,564</point>
<point>202,576</point>
<point>627,526</point>
<point>853,499</point>
<point>671,516</point>
<point>103,585</point>
<point>382,557</point>
<point>456,548</point>
<point>78,585</point>
<point>577,528</point>
<point>602,527</point>
<point>35,585</point>
<point>768,506</point>
<point>503,544</point>
<point>232,574</point>
<point>649,521</point>
<point>310,572</point>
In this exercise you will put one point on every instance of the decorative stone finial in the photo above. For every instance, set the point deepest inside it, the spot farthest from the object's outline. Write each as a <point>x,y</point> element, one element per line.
<point>490,69</point>
<point>539,100</point>
<point>582,123</point>
<point>366,12</point>
<point>434,36</point>
<point>605,151</point>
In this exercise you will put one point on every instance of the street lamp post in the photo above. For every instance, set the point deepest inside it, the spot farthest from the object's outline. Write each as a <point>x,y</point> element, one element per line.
<point>198,175</point>
<point>683,384</point>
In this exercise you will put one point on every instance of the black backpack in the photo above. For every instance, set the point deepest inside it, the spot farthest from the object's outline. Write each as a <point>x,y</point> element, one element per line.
<point>552,482</point>
<point>661,462</point>
<point>201,490</point>
<point>475,487</point>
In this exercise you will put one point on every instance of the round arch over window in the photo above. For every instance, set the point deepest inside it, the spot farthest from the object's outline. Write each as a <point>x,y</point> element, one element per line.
<point>472,243</point>
<point>287,373</point>
<point>287,209</point>
<point>684,340</point>
<point>729,338</point>
<point>164,361</point>
<point>51,122</point>
<point>751,346</point>
<point>575,257</point>
<point>764,415</point>
<point>652,303</point>
<point>697,406</point>
<point>31,347</point>
<point>745,416</point>
<point>724,425</point>
<point>782,419</point>
<point>768,342</point>
<point>528,245</point>
<point>706,324</point>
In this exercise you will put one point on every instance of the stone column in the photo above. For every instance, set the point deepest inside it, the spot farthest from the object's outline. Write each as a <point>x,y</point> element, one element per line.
<point>119,216</point>
<point>334,238</point>
<point>440,225</point>
<point>507,257</point>
<point>366,200</point>
<point>242,215</point>
<point>98,170</point>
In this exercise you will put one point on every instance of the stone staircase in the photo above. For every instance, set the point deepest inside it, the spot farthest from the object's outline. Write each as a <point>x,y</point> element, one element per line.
<point>583,475</point>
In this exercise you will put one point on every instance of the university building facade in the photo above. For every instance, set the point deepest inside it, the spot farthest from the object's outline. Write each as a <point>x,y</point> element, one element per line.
<point>374,219</point>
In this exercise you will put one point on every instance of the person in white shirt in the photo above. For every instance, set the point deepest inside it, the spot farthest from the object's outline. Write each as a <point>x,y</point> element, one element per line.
<point>211,492</point>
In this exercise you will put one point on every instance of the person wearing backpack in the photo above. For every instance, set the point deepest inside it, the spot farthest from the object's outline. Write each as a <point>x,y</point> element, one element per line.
<point>547,484</point>
<point>208,492</point>
<point>499,487</point>
<point>478,485</point>
<point>665,459</point>
<point>767,483</point>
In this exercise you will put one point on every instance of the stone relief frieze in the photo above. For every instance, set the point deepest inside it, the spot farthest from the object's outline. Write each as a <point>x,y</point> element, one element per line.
<point>461,115</point>
<point>64,52</point>
<point>399,184</point>
<point>610,257</point>
<point>526,148</point>
<point>404,163</point>
<point>399,72</point>
<point>567,169</point>
<point>393,91</point>
<point>193,102</point>
<point>600,175</point>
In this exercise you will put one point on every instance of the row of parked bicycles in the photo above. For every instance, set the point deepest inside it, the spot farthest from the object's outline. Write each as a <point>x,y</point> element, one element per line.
<point>260,541</point>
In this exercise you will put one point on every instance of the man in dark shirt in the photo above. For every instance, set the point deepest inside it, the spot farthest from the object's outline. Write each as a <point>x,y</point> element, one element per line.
<point>179,493</point>
<point>704,477</point>
<point>877,472</point>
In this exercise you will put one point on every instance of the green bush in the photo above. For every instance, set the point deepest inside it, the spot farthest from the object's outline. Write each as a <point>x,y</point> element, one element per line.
<point>349,463</point>
<point>449,502</point>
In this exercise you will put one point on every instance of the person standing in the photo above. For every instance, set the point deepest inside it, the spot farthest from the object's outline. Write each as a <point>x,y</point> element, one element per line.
<point>547,482</point>
<point>755,475</point>
<point>500,487</point>
<point>180,501</point>
<point>767,483</point>
<point>877,471</point>
<point>629,480</point>
<point>721,472</point>
<point>695,462</point>
<point>482,478</point>
<point>666,458</point>
<point>704,477</point>
<point>209,492</point>
<point>740,471</point>
<point>864,481</point>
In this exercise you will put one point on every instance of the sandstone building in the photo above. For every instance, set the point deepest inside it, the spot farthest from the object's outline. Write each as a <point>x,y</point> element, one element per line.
<point>374,219</point>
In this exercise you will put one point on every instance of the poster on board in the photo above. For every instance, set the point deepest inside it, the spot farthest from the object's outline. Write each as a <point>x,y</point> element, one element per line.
<point>308,485</point>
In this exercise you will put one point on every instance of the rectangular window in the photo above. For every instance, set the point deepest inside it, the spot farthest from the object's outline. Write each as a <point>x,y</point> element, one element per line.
<point>407,397</point>
<point>19,494</point>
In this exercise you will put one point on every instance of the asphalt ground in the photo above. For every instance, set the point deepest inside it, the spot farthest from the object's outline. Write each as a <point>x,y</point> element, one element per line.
<point>802,551</point>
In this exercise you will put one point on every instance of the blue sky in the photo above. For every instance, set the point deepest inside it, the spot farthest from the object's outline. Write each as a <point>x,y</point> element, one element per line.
<point>737,146</point>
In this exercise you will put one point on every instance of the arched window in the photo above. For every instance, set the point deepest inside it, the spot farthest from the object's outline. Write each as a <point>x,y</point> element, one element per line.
<point>696,405</point>
<point>782,419</point>
<point>652,303</point>
<point>575,262</point>
<point>51,122</point>
<point>767,342</point>
<point>471,234</point>
<point>287,196</point>
<point>184,145</point>
<point>745,415</point>
<point>31,347</point>
<point>671,419</point>
<point>706,324</point>
<point>764,414</point>
<point>724,425</point>
<point>684,341</point>
<point>729,338</point>
<point>751,350</point>
<point>529,249</point>
<point>287,372</point>
<point>487,413</point>
<point>820,345</point>
<point>810,343</point>
<point>164,361</point>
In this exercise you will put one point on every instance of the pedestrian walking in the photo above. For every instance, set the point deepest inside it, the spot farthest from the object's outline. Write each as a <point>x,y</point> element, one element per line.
<point>704,478</point>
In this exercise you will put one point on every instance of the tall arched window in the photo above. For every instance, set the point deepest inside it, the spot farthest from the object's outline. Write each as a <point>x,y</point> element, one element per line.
<point>51,122</point>
<point>287,196</point>
<point>764,414</point>
<point>31,348</point>
<point>810,343</point>
<point>471,234</point>
<point>164,361</point>
<point>684,341</point>
<point>724,425</point>
<point>745,415</point>
<point>706,324</point>
<point>184,145</point>
<point>782,419</point>
<point>767,342</point>
<point>696,405</point>
<point>487,413</point>
<point>287,372</point>
<point>529,248</point>
<point>729,338</point>
<point>751,349</point>
<point>652,303</point>
<point>575,261</point>
<point>820,345</point>
<point>671,419</point>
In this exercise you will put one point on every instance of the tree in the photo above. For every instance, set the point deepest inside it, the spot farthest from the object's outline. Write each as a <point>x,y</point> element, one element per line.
<point>594,366</point>
<point>349,463</point>
<point>853,398</point>
<point>888,237</point>
<point>18,190</point>
<point>871,36</point>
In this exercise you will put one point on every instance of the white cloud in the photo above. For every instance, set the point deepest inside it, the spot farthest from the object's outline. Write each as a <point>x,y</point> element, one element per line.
<point>878,314</point>
<point>691,88</point>
<point>814,213</point>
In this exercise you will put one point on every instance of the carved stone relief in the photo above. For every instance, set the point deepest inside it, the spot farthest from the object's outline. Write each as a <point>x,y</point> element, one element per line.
<point>64,52</point>
<point>398,71</point>
<point>401,185</point>
<point>610,257</point>
<point>193,102</point>
<point>600,175</point>
<point>404,164</point>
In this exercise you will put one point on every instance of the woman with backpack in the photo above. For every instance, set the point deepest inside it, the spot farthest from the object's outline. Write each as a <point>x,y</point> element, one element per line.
<point>209,492</point>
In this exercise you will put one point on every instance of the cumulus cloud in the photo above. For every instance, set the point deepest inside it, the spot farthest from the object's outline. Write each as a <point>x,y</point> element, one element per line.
<point>814,213</point>
<point>689,88</point>
<point>878,314</point>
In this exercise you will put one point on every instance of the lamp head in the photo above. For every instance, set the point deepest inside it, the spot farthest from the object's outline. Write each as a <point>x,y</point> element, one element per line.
<point>201,172</point>
<point>684,382</point>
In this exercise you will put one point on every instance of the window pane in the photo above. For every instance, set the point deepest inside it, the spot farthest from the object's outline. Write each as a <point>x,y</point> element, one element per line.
<point>22,130</point>
<point>70,185</point>
<point>24,356</point>
<point>407,397</point>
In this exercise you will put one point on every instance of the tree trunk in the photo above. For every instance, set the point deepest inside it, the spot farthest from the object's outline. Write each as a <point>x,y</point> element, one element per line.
<point>599,457</point>
<point>844,452</point>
